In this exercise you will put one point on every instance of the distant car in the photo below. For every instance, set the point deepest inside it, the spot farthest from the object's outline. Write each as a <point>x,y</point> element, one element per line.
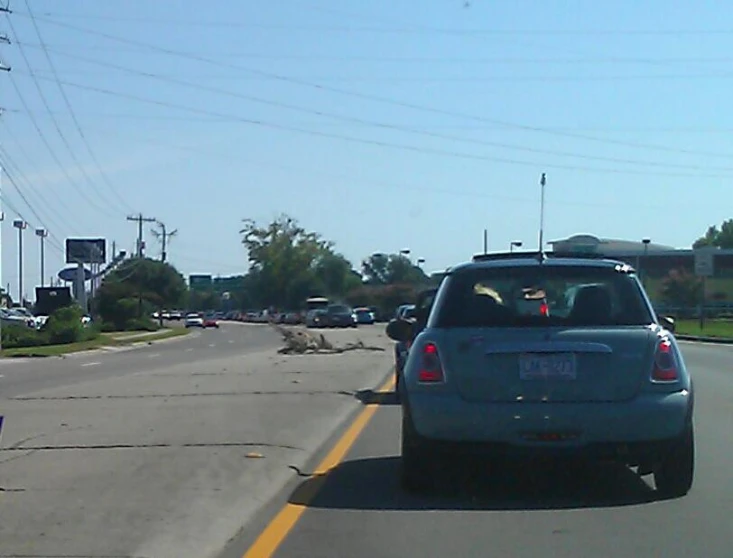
<point>401,348</point>
<point>193,320</point>
<point>210,321</point>
<point>315,318</point>
<point>600,376</point>
<point>339,315</point>
<point>364,316</point>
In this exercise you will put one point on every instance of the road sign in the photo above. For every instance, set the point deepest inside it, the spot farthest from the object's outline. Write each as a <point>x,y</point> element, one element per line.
<point>69,274</point>
<point>705,262</point>
<point>200,282</point>
<point>86,250</point>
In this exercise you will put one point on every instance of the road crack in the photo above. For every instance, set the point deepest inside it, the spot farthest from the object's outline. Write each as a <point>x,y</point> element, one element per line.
<point>177,395</point>
<point>62,447</point>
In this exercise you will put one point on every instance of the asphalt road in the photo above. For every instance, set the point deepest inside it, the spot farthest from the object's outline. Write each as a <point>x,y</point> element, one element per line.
<point>25,375</point>
<point>528,510</point>
<point>167,450</point>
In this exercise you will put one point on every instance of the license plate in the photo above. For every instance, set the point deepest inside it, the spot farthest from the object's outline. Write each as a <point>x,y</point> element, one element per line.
<point>557,366</point>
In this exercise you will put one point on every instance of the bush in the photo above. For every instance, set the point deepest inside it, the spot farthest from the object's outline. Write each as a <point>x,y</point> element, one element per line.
<point>62,327</point>
<point>14,336</point>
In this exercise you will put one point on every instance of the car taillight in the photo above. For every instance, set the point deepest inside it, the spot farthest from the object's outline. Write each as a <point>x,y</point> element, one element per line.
<point>665,365</point>
<point>544,309</point>
<point>430,371</point>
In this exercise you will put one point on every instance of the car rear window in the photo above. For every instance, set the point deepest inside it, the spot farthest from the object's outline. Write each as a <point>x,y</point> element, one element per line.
<point>339,309</point>
<point>542,296</point>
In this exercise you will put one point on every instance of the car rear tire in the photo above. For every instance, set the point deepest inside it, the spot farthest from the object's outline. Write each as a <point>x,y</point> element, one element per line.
<point>416,473</point>
<point>674,475</point>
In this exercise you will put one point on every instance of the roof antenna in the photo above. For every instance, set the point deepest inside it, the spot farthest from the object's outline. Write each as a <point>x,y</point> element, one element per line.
<point>543,181</point>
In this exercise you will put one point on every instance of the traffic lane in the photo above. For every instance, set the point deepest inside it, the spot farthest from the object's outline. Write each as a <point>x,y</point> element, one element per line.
<point>172,462</point>
<point>520,509</point>
<point>197,347</point>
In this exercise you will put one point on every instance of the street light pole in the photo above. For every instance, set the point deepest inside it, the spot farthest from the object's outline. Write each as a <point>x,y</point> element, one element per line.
<point>20,225</point>
<point>42,234</point>
<point>543,181</point>
<point>646,242</point>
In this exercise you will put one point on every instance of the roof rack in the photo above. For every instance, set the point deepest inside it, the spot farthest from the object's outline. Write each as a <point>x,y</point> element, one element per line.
<point>538,255</point>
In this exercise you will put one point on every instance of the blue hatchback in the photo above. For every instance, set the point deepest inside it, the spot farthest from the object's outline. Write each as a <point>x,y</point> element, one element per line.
<point>556,356</point>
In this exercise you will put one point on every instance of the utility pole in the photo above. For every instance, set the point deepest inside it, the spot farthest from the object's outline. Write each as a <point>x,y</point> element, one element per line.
<point>42,234</point>
<point>140,220</point>
<point>164,236</point>
<point>21,226</point>
<point>5,68</point>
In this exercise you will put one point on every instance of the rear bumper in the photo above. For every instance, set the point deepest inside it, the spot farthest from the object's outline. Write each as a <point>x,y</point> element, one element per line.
<point>593,428</point>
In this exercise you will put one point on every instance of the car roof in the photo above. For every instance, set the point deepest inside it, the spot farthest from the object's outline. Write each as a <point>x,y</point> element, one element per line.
<point>533,259</point>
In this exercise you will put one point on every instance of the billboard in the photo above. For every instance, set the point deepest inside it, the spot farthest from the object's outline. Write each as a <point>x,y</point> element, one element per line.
<point>86,250</point>
<point>50,299</point>
<point>200,282</point>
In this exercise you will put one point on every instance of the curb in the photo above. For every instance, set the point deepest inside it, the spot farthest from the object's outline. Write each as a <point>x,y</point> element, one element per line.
<point>719,340</point>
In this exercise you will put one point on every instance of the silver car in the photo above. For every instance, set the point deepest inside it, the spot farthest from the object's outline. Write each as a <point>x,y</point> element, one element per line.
<point>592,372</point>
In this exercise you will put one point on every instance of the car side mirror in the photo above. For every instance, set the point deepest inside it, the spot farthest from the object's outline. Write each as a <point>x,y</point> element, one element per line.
<point>668,323</point>
<point>399,329</point>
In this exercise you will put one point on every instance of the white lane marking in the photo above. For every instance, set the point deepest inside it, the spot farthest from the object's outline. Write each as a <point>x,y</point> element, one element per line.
<point>1,376</point>
<point>231,340</point>
<point>189,349</point>
<point>212,345</point>
<point>91,364</point>
<point>154,355</point>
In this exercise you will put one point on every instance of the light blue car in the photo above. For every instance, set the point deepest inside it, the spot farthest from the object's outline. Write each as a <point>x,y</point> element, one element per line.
<point>592,373</point>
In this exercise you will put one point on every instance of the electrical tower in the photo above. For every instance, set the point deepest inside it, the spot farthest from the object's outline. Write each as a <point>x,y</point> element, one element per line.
<point>163,236</point>
<point>140,220</point>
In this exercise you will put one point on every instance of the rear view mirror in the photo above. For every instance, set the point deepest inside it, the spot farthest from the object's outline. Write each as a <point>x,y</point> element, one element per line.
<point>667,322</point>
<point>399,330</point>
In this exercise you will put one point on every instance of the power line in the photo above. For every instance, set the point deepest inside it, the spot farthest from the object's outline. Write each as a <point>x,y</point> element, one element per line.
<point>47,144</point>
<point>394,29</point>
<point>402,186</point>
<point>389,126</point>
<point>59,202</point>
<point>404,147</point>
<point>61,134</point>
<point>7,162</point>
<point>164,237</point>
<point>140,220</point>
<point>371,97</point>
<point>72,113</point>
<point>595,61</point>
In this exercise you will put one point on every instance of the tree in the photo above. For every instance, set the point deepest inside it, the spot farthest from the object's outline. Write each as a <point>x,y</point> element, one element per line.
<point>719,237</point>
<point>288,264</point>
<point>681,288</point>
<point>137,285</point>
<point>388,269</point>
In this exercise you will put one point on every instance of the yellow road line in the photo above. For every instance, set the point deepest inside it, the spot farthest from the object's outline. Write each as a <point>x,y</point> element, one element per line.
<point>274,534</point>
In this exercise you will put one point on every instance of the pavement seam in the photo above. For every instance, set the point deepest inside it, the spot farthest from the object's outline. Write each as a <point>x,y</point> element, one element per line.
<point>149,446</point>
<point>173,395</point>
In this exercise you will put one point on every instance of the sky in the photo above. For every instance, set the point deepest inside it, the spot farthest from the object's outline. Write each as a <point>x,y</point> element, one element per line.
<point>382,125</point>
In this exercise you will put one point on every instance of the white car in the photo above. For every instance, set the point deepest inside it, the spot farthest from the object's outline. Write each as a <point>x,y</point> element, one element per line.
<point>193,320</point>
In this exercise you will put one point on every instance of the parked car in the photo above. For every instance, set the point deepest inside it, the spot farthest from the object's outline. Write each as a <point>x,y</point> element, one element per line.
<point>364,316</point>
<point>401,348</point>
<point>418,313</point>
<point>315,318</point>
<point>339,315</point>
<point>193,319</point>
<point>599,376</point>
